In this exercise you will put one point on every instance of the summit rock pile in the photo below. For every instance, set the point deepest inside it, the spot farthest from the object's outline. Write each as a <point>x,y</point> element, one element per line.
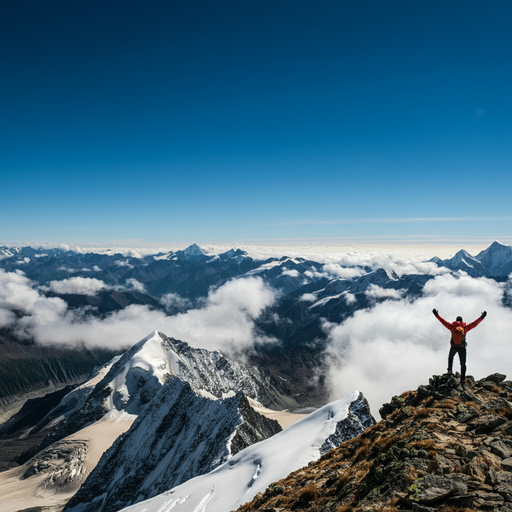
<point>444,446</point>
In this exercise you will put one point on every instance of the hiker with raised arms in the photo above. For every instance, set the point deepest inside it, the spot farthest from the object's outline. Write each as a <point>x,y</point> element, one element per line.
<point>458,341</point>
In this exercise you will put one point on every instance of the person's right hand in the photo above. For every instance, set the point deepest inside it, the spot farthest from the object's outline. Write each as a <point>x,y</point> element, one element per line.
<point>435,312</point>
<point>484,314</point>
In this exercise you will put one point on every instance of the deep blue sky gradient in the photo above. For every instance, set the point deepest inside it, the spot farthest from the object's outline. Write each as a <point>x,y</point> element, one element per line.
<point>201,120</point>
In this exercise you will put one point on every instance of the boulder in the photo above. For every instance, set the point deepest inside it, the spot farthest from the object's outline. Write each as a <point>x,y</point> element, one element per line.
<point>433,488</point>
<point>495,377</point>
<point>501,449</point>
<point>486,423</point>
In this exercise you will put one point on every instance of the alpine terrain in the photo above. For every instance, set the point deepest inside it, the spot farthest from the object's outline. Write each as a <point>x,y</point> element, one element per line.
<point>253,469</point>
<point>444,446</point>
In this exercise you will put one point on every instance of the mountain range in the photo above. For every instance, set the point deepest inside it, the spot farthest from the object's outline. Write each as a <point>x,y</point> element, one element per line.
<point>252,470</point>
<point>161,415</point>
<point>163,425</point>
<point>308,294</point>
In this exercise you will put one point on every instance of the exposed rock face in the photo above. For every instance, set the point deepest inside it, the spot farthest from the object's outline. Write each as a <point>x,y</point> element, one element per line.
<point>63,463</point>
<point>178,436</point>
<point>445,444</point>
<point>214,373</point>
<point>358,420</point>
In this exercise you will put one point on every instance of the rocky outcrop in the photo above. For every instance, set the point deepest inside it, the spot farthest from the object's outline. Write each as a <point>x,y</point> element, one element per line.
<point>178,436</point>
<point>442,445</point>
<point>359,418</point>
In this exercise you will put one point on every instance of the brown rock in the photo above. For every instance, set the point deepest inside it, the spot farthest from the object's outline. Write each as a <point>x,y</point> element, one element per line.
<point>489,496</point>
<point>476,469</point>
<point>496,377</point>
<point>486,423</point>
<point>501,449</point>
<point>506,428</point>
<point>490,459</point>
<point>432,488</point>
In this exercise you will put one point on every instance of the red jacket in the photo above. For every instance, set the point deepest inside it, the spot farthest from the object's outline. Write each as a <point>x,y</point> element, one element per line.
<point>451,326</point>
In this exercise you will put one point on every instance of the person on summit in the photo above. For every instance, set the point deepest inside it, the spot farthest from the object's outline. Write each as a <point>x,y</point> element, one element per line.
<point>458,341</point>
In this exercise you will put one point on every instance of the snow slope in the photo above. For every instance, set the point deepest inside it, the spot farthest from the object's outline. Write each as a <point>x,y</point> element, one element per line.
<point>497,259</point>
<point>250,471</point>
<point>178,436</point>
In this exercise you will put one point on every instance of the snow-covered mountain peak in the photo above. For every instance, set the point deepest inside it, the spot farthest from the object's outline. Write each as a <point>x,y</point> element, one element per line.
<point>141,371</point>
<point>139,374</point>
<point>251,470</point>
<point>462,260</point>
<point>178,436</point>
<point>194,250</point>
<point>497,259</point>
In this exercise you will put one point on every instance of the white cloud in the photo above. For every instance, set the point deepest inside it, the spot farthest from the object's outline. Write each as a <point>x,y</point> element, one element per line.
<point>6,317</point>
<point>122,263</point>
<point>66,269</point>
<point>16,292</point>
<point>173,300</point>
<point>344,272</point>
<point>350,298</point>
<point>377,292</point>
<point>77,285</point>
<point>308,297</point>
<point>225,321</point>
<point>397,345</point>
<point>292,272</point>
<point>136,285</point>
<point>314,274</point>
<point>463,285</point>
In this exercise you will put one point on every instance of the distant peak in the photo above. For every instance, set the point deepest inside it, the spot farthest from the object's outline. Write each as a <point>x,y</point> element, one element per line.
<point>194,250</point>
<point>497,245</point>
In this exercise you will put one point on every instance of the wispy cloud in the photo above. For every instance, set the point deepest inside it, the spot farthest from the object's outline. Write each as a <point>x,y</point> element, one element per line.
<point>398,220</point>
<point>225,320</point>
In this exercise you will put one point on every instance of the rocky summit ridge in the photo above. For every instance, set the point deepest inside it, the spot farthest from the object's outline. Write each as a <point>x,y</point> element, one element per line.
<point>445,446</point>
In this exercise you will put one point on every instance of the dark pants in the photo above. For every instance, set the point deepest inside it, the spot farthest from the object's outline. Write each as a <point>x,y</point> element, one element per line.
<point>462,357</point>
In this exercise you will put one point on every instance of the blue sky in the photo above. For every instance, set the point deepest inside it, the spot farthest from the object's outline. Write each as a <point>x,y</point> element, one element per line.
<point>229,120</point>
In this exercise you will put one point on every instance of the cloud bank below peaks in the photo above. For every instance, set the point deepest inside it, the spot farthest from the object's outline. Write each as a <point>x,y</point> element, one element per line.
<point>89,286</point>
<point>398,344</point>
<point>75,285</point>
<point>225,320</point>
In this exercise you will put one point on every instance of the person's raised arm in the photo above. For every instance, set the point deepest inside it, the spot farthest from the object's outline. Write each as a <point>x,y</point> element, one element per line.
<point>473,324</point>
<point>448,325</point>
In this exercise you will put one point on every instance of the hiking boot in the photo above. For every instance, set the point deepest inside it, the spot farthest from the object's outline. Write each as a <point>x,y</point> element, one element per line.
<point>449,372</point>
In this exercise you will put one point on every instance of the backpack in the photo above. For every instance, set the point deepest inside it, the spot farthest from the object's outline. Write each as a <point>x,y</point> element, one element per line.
<point>458,336</point>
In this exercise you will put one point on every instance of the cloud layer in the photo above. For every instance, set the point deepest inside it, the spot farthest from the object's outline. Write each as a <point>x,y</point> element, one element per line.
<point>79,285</point>
<point>398,344</point>
<point>225,320</point>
